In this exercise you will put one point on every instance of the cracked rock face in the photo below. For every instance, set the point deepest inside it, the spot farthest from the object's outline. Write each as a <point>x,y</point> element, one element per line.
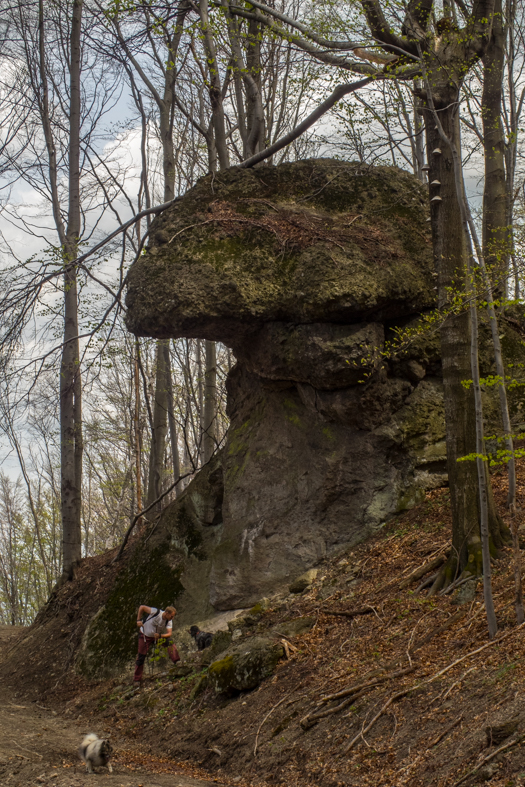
<point>305,270</point>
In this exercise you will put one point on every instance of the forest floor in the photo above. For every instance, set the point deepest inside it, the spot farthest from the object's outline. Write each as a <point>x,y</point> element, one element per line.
<point>409,691</point>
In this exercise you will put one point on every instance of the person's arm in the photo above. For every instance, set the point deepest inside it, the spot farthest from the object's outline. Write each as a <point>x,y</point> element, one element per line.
<point>169,629</point>
<point>143,610</point>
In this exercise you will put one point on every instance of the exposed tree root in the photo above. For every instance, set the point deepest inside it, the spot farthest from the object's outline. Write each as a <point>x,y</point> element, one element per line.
<point>351,694</point>
<point>351,613</point>
<point>424,569</point>
<point>464,778</point>
<point>426,582</point>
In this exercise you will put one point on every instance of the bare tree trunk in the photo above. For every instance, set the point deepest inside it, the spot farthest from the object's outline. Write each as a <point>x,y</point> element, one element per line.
<point>215,88</point>
<point>496,241</point>
<point>200,397</point>
<point>210,401</point>
<point>70,381</point>
<point>419,145</point>
<point>483,478</point>
<point>171,419</point>
<point>511,147</point>
<point>160,427</point>
<point>137,433</point>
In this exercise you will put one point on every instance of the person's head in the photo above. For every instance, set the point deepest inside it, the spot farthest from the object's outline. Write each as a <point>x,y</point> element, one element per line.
<point>169,613</point>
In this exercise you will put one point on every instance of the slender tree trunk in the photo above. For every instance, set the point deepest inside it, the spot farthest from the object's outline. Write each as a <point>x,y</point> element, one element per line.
<point>137,432</point>
<point>215,88</point>
<point>483,478</point>
<point>496,240</point>
<point>160,427</point>
<point>171,419</point>
<point>419,142</point>
<point>70,380</point>
<point>210,401</point>
<point>200,397</point>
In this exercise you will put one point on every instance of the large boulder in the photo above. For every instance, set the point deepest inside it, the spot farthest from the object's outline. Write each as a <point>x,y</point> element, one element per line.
<point>305,270</point>
<point>244,665</point>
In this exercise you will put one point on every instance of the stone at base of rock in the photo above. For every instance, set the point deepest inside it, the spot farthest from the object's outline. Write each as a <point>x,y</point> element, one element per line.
<point>244,666</point>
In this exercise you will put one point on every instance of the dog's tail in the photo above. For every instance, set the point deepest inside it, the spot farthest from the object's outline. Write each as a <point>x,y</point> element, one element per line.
<point>82,749</point>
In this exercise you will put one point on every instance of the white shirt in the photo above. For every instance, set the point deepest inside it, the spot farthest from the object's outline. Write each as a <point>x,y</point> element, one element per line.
<point>156,625</point>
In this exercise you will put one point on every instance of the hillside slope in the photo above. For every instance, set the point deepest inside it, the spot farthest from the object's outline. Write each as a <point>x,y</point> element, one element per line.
<point>403,692</point>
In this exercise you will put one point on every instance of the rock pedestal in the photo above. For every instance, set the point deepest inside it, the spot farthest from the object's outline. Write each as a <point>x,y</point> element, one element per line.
<point>305,270</point>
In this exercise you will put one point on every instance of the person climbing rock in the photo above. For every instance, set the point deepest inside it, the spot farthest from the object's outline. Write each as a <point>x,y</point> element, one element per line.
<point>157,626</point>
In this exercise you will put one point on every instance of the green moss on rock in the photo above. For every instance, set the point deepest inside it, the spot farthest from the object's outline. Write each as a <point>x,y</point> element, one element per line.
<point>110,641</point>
<point>245,665</point>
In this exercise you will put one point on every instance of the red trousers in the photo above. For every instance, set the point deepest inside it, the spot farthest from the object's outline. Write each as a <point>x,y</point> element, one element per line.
<point>145,644</point>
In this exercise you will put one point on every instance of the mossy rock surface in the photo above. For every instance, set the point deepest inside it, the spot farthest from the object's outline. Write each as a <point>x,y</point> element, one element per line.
<point>170,567</point>
<point>110,641</point>
<point>312,241</point>
<point>245,665</point>
<point>307,271</point>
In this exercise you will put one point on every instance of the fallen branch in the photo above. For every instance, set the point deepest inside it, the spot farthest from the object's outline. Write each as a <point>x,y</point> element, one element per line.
<point>351,695</point>
<point>445,732</point>
<point>309,721</point>
<point>435,632</point>
<point>288,647</point>
<point>27,750</point>
<point>378,715</point>
<point>370,683</point>
<point>434,677</point>
<point>444,694</point>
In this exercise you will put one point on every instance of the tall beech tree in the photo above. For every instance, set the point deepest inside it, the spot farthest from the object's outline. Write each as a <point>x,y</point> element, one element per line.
<point>70,382</point>
<point>159,30</point>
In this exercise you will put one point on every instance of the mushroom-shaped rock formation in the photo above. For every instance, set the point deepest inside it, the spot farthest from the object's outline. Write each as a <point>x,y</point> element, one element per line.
<point>304,270</point>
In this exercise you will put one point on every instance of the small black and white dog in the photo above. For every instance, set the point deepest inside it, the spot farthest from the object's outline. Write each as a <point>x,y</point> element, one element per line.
<point>202,638</point>
<point>95,751</point>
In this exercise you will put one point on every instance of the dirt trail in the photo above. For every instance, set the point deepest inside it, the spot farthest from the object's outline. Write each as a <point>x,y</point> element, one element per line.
<point>39,749</point>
